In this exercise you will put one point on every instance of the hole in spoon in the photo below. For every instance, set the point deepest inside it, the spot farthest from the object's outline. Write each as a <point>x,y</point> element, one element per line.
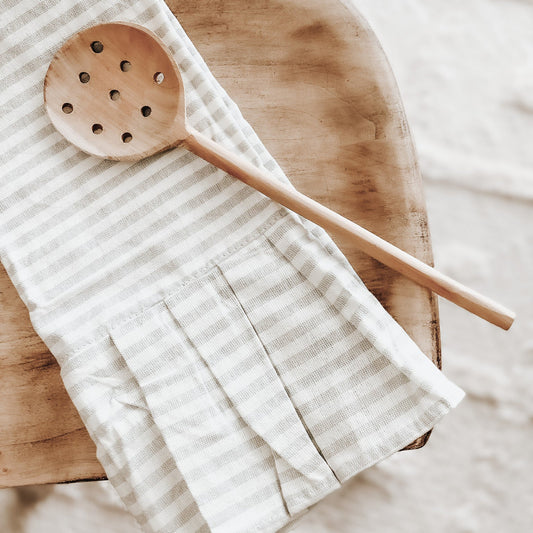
<point>114,95</point>
<point>97,47</point>
<point>67,108</point>
<point>97,129</point>
<point>146,111</point>
<point>127,137</point>
<point>159,77</point>
<point>84,77</point>
<point>125,66</point>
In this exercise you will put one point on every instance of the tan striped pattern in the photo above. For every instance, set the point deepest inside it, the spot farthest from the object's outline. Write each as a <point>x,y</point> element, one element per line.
<point>226,359</point>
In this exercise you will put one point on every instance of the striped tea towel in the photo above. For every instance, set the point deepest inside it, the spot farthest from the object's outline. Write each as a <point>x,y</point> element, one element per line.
<point>227,361</point>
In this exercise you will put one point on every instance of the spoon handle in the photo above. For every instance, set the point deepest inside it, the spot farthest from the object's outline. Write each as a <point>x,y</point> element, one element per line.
<point>366,241</point>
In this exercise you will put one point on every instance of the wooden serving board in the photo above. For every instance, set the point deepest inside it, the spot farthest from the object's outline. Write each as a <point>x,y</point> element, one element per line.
<point>312,79</point>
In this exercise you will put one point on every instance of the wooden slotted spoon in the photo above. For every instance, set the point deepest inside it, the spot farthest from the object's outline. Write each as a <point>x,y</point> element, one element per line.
<point>115,92</point>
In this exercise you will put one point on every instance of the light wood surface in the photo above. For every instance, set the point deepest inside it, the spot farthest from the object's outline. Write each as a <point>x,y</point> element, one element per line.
<point>294,68</point>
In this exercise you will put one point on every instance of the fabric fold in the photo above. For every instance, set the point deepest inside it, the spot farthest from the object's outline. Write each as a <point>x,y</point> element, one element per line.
<point>221,407</point>
<point>228,344</point>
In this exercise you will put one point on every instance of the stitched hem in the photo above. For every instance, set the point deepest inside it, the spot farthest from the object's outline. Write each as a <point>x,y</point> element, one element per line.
<point>104,328</point>
<point>416,428</point>
<point>377,453</point>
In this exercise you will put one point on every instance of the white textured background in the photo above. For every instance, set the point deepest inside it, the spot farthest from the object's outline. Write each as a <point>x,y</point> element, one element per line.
<point>465,71</point>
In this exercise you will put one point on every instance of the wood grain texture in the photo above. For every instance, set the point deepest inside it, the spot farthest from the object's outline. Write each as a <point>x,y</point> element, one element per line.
<point>313,81</point>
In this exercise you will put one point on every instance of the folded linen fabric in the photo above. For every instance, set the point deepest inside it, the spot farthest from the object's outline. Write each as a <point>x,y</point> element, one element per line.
<point>227,361</point>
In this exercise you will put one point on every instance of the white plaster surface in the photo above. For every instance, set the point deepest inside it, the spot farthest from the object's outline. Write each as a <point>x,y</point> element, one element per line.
<point>465,71</point>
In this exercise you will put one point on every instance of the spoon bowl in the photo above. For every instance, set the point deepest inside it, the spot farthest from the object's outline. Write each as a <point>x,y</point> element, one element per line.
<point>115,92</point>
